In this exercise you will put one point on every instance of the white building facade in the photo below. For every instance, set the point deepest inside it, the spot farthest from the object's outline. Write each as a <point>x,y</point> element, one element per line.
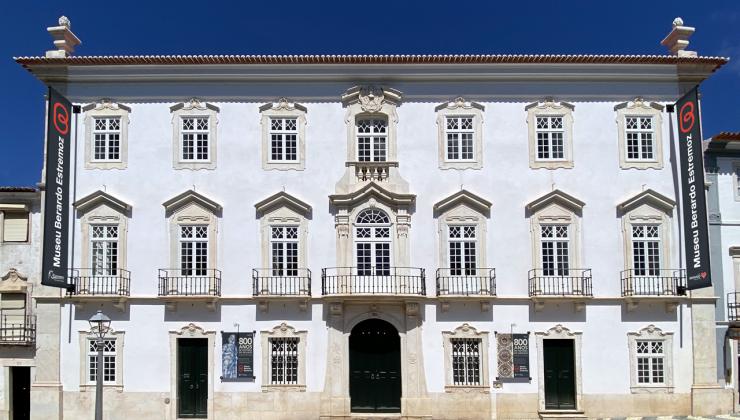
<point>382,226</point>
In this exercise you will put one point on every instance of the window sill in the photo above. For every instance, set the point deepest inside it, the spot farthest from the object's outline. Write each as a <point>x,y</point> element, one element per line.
<point>471,389</point>
<point>105,164</point>
<point>640,164</point>
<point>283,166</point>
<point>91,387</point>
<point>648,389</point>
<point>283,388</point>
<point>551,164</point>
<point>461,164</point>
<point>194,165</point>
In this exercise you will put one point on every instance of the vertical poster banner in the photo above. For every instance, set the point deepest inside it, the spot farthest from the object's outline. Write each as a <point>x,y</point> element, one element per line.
<point>693,207</point>
<point>512,356</point>
<point>56,206</point>
<point>237,357</point>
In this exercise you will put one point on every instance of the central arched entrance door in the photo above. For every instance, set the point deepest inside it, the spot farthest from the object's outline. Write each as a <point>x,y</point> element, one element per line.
<point>375,367</point>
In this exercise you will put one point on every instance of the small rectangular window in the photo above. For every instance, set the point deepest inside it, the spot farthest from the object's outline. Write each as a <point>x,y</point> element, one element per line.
<point>372,140</point>
<point>650,362</point>
<point>640,136</point>
<point>459,133</point>
<point>284,361</point>
<point>284,248</point>
<point>462,250</point>
<point>15,226</point>
<point>109,361</point>
<point>106,139</point>
<point>283,139</point>
<point>104,250</point>
<point>466,361</point>
<point>195,139</point>
<point>550,134</point>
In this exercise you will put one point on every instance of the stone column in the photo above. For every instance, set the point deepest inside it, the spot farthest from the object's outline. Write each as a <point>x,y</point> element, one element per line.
<point>335,402</point>
<point>707,396</point>
<point>46,387</point>
<point>415,403</point>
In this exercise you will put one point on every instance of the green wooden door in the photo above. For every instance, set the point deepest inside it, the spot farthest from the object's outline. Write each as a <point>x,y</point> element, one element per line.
<point>560,379</point>
<point>192,378</point>
<point>375,368</point>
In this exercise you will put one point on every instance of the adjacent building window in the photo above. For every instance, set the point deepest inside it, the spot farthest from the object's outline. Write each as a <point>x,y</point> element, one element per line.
<point>640,134</point>
<point>466,361</point>
<point>555,250</point>
<point>283,135</point>
<point>550,138</point>
<point>194,250</point>
<point>736,180</point>
<point>373,243</point>
<point>194,134</point>
<point>550,134</point>
<point>640,138</point>
<point>284,361</point>
<point>372,140</point>
<point>106,135</point>
<point>460,134</point>
<point>15,226</point>
<point>284,243</point>
<point>646,250</point>
<point>109,361</point>
<point>107,139</point>
<point>462,249</point>
<point>651,360</point>
<point>104,250</point>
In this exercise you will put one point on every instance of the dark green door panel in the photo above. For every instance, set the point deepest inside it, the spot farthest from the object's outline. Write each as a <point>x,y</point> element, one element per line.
<point>375,368</point>
<point>192,378</point>
<point>560,379</point>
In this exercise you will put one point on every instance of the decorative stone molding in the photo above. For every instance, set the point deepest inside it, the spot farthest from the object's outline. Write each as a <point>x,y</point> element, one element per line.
<point>640,108</point>
<point>190,331</point>
<point>192,208</point>
<point>194,107</point>
<point>559,332</point>
<point>466,331</point>
<point>678,39</point>
<point>282,209</point>
<point>371,98</point>
<point>459,107</point>
<point>106,108</point>
<point>101,208</point>
<point>283,108</point>
<point>65,40</point>
<point>556,207</point>
<point>651,333</point>
<point>548,107</point>
<point>283,199</point>
<point>462,208</point>
<point>283,331</point>
<point>84,337</point>
<point>190,196</point>
<point>647,207</point>
<point>735,180</point>
<point>412,308</point>
<point>13,282</point>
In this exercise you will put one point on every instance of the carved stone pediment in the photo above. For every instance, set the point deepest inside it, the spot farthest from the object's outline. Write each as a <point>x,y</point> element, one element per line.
<point>371,98</point>
<point>13,281</point>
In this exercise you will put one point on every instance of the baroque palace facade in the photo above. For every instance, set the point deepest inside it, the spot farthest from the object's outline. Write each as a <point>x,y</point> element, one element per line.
<point>429,237</point>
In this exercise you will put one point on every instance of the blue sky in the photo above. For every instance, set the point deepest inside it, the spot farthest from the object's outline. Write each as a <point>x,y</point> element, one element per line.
<point>344,27</point>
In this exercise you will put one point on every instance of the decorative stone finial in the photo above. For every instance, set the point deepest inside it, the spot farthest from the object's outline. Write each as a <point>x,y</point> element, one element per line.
<point>64,40</point>
<point>678,39</point>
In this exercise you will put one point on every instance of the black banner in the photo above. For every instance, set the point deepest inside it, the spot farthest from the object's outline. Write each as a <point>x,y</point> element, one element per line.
<point>56,206</point>
<point>520,355</point>
<point>694,207</point>
<point>237,356</point>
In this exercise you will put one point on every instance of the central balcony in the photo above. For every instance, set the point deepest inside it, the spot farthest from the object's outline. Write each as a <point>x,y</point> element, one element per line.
<point>281,282</point>
<point>466,282</point>
<point>18,330</point>
<point>372,171</point>
<point>374,281</point>
<point>563,282</point>
<point>96,282</point>
<point>655,282</point>
<point>189,282</point>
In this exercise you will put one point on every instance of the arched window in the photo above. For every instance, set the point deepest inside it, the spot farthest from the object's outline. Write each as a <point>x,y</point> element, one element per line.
<point>373,243</point>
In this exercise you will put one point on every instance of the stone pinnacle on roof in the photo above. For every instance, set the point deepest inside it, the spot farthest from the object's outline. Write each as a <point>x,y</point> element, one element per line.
<point>64,39</point>
<point>678,39</point>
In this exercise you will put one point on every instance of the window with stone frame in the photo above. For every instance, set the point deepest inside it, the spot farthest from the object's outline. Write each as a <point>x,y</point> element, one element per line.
<point>284,248</point>
<point>651,360</point>
<point>194,135</point>
<point>104,250</point>
<point>109,360</point>
<point>373,243</point>
<point>550,137</point>
<point>107,139</point>
<point>466,361</point>
<point>372,139</point>
<point>14,226</point>
<point>459,131</point>
<point>462,243</point>
<point>640,138</point>
<point>194,250</point>
<point>555,250</point>
<point>646,250</point>
<point>284,360</point>
<point>283,139</point>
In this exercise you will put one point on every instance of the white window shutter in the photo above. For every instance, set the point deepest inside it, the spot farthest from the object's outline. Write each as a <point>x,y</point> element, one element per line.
<point>15,227</point>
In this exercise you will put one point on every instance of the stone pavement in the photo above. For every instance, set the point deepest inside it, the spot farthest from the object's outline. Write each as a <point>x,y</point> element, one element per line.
<point>723,416</point>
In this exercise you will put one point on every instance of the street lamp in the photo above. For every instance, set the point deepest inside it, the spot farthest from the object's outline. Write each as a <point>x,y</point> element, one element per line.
<point>99,324</point>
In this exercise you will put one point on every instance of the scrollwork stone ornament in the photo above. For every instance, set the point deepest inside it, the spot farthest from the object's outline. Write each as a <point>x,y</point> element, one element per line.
<point>371,98</point>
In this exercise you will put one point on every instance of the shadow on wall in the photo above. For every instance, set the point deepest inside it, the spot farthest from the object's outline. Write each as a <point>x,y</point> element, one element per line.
<point>467,311</point>
<point>650,312</point>
<point>284,311</point>
<point>192,312</point>
<point>557,312</point>
<point>83,313</point>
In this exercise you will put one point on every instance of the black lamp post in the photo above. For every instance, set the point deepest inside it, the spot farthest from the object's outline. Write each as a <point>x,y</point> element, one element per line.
<point>99,325</point>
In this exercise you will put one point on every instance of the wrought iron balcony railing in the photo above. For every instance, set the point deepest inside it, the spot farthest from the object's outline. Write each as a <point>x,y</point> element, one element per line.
<point>281,282</point>
<point>466,282</point>
<point>189,282</point>
<point>19,330</point>
<point>94,282</point>
<point>733,306</point>
<point>372,281</point>
<point>560,282</point>
<point>653,282</point>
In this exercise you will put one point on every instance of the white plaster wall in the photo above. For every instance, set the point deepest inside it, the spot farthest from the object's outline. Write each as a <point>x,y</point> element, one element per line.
<point>506,180</point>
